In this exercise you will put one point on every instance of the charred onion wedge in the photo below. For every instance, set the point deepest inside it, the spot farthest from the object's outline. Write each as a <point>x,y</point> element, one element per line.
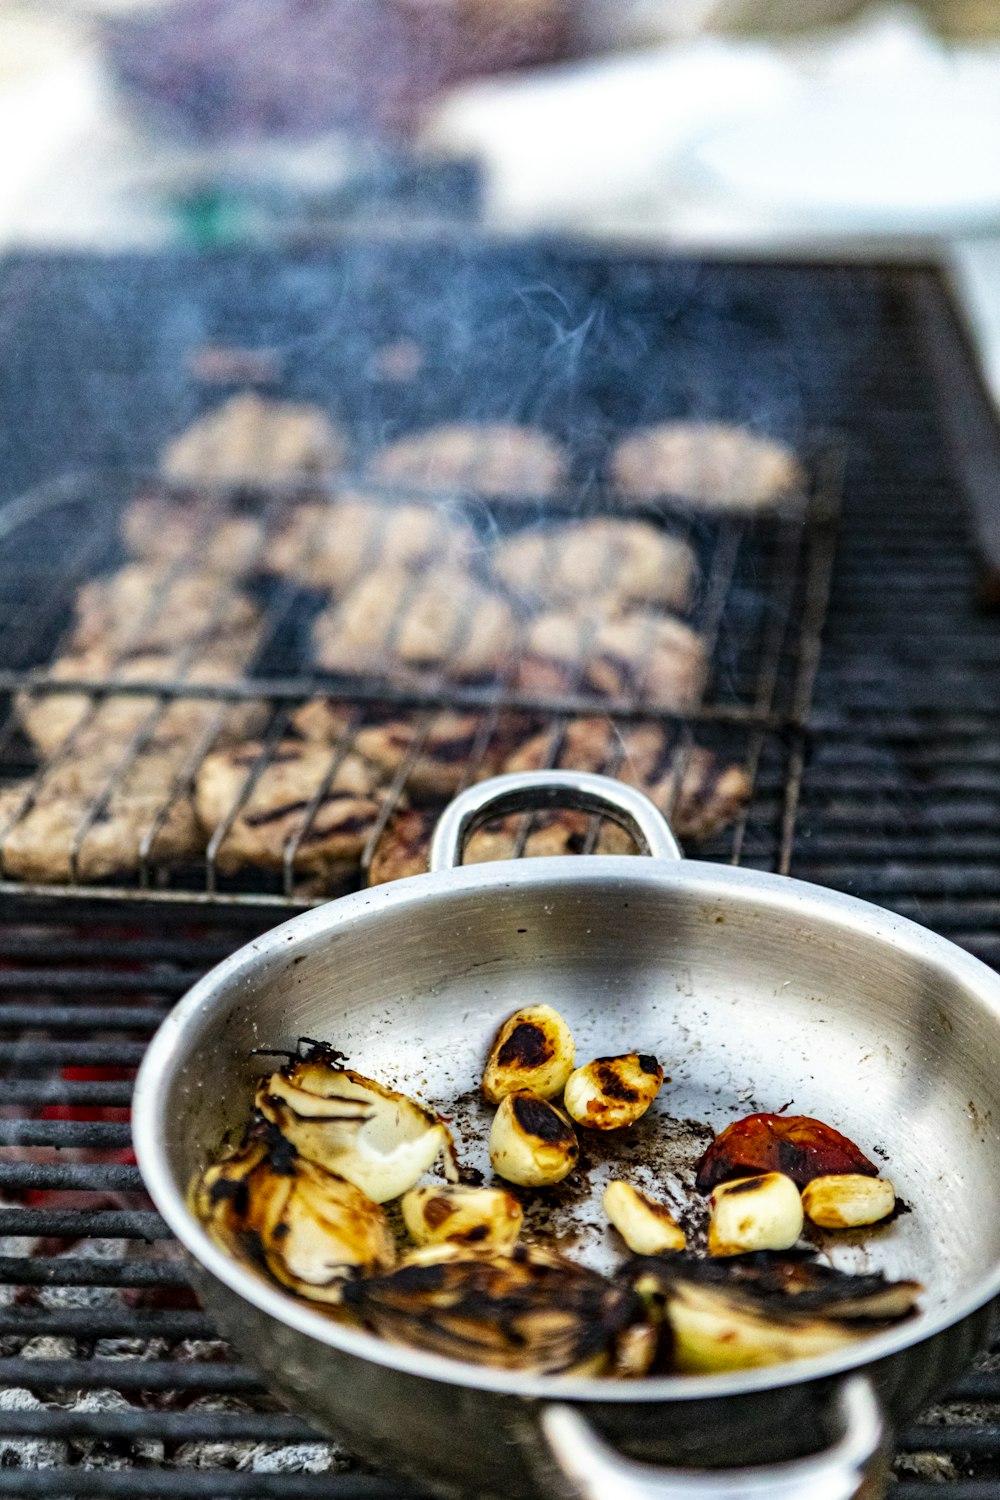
<point>646,1225</point>
<point>310,1229</point>
<point>532,1050</point>
<point>760,1309</point>
<point>379,1139</point>
<point>520,1309</point>
<point>754,1213</point>
<point>848,1200</point>
<point>449,1214</point>
<point>532,1142</point>
<point>797,1280</point>
<point>613,1092</point>
<point>798,1146</point>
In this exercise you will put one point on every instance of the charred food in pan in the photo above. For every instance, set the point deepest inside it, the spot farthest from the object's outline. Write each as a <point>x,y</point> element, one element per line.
<point>759,1310</point>
<point>309,1228</point>
<point>533,1049</point>
<point>520,1309</point>
<point>532,1143</point>
<point>613,1092</point>
<point>797,1145</point>
<point>373,1136</point>
<point>451,1214</point>
<point>646,1225</point>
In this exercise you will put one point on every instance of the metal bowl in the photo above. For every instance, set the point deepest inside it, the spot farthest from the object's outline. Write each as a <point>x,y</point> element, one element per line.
<point>755,991</point>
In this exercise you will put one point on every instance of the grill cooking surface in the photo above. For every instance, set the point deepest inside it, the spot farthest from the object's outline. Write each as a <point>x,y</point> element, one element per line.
<point>884,784</point>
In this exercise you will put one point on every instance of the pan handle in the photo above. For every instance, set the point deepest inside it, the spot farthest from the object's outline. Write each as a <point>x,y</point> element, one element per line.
<point>527,791</point>
<point>854,1467</point>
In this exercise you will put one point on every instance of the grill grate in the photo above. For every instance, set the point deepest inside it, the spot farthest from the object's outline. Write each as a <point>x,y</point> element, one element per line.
<point>760,609</point>
<point>883,782</point>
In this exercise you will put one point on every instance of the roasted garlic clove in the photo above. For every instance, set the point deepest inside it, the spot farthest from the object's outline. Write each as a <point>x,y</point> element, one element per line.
<point>754,1213</point>
<point>532,1050</point>
<point>379,1139</point>
<point>531,1141</point>
<point>311,1230</point>
<point>647,1226</point>
<point>612,1092</point>
<point>847,1200</point>
<point>517,1309</point>
<point>461,1215</point>
<point>797,1145</point>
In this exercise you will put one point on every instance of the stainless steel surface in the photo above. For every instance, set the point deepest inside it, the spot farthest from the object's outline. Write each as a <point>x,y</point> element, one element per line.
<point>852,1468</point>
<point>527,791</point>
<point>754,990</point>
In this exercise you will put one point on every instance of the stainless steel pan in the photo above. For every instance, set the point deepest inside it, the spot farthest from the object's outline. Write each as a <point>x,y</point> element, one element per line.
<point>755,991</point>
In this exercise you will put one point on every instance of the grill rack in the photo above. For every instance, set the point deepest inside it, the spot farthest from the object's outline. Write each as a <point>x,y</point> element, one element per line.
<point>762,685</point>
<point>888,835</point>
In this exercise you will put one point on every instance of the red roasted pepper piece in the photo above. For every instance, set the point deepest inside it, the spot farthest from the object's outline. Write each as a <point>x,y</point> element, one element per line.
<point>800,1147</point>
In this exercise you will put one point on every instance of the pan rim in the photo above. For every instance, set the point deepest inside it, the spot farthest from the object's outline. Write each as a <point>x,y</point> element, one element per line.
<point>711,881</point>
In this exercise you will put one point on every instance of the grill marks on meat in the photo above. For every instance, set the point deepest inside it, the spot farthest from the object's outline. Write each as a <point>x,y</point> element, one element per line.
<point>273,812</point>
<point>700,794</point>
<point>656,658</point>
<point>403,847</point>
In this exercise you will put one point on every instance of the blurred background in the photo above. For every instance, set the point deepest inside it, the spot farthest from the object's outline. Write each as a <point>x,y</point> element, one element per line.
<point>817,126</point>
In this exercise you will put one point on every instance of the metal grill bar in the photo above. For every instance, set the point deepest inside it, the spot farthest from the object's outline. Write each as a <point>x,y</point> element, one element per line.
<point>133,1224</point>
<point>184,1426</point>
<point>190,1485</point>
<point>103,1322</point>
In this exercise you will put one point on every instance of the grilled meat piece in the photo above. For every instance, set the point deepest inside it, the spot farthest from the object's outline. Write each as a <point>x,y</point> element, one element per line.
<point>446,754</point>
<point>165,528</point>
<point>108,723</point>
<point>523,1309</point>
<point>395,625</point>
<point>333,545</point>
<point>274,813</point>
<point>41,842</point>
<point>148,608</point>
<point>250,440</point>
<point>709,795</point>
<point>640,655</point>
<point>485,458</point>
<point>402,849</point>
<point>621,563</point>
<point>797,1145</point>
<point>322,721</point>
<point>713,465</point>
